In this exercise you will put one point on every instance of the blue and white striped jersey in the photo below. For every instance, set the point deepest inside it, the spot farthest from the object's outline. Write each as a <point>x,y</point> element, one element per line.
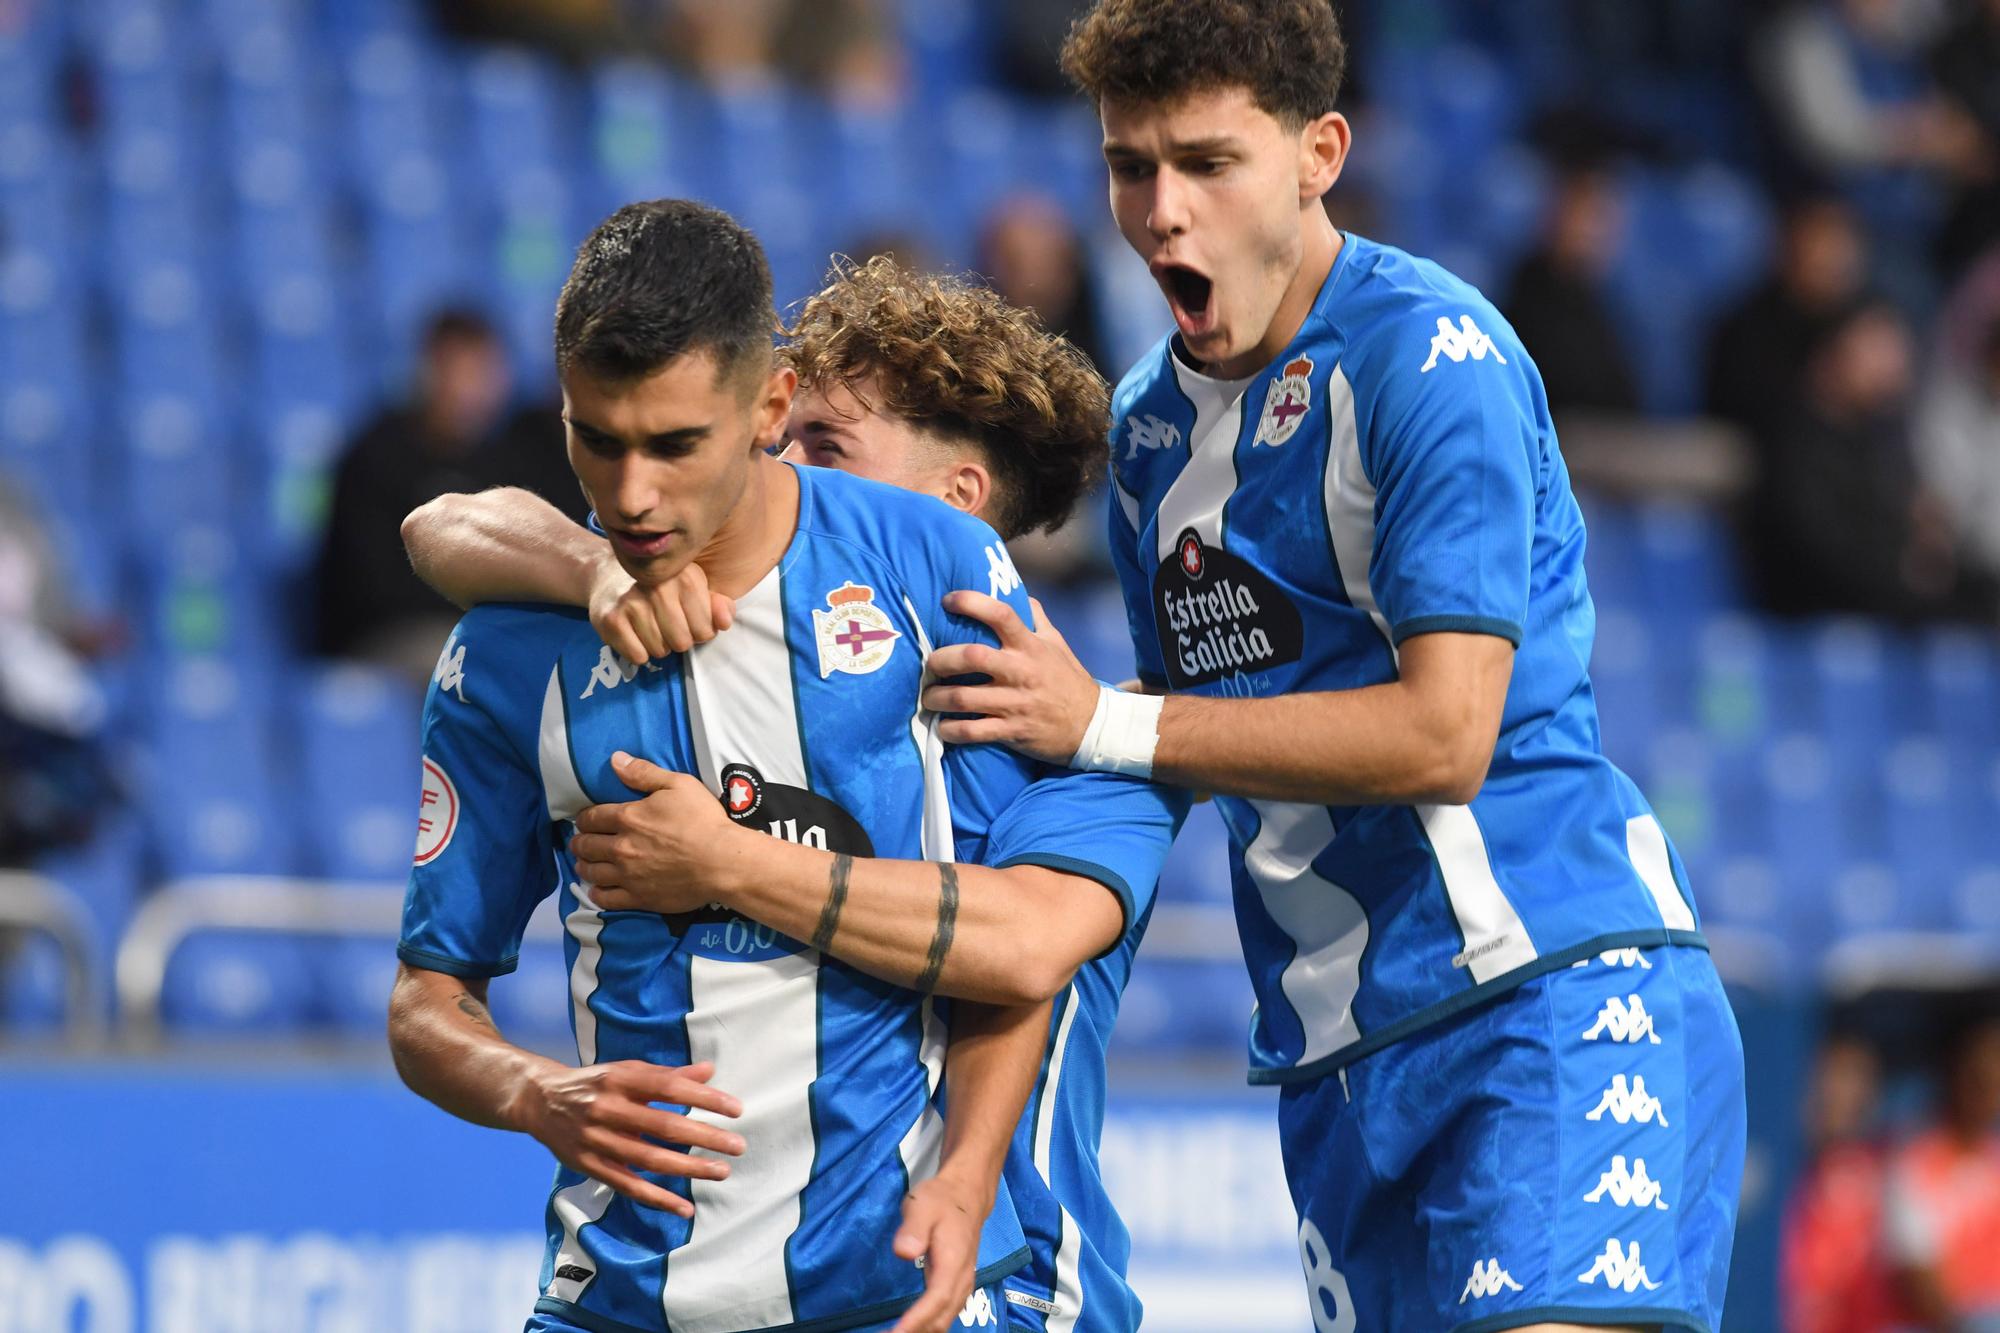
<point>805,719</point>
<point>1115,830</point>
<point>1393,472</point>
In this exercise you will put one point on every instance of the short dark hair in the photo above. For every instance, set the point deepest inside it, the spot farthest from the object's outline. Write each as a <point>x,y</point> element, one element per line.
<point>1288,54</point>
<point>660,279</point>
<point>954,359</point>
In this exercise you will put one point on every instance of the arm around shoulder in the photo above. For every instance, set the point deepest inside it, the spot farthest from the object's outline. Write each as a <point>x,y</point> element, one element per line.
<point>500,545</point>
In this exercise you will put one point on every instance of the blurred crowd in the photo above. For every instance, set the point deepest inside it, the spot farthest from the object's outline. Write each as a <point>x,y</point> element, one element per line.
<point>1895,1223</point>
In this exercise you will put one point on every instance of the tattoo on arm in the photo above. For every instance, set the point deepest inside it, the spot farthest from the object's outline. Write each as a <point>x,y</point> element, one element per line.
<point>836,898</point>
<point>947,924</point>
<point>475,1011</point>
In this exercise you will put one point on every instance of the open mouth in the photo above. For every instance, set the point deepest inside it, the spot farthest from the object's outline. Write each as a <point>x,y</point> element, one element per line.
<point>1190,293</point>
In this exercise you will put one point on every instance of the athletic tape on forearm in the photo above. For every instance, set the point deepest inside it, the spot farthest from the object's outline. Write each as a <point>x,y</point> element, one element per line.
<point>1123,733</point>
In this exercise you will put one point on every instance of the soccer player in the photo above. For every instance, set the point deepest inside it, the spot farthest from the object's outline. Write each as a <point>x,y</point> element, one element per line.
<point>806,719</point>
<point>941,388</point>
<point>1512,1085</point>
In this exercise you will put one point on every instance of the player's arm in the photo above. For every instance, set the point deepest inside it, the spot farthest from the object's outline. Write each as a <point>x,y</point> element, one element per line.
<point>511,545</point>
<point>991,1061</point>
<point>1425,737</point>
<point>600,1120</point>
<point>1000,936</point>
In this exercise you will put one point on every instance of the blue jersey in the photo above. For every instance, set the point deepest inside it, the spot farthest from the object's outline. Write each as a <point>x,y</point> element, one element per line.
<point>805,719</point>
<point>1115,830</point>
<point>1393,472</point>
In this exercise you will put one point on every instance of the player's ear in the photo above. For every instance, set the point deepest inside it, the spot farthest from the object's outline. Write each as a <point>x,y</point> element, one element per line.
<point>1323,145</point>
<point>773,407</point>
<point>968,486</point>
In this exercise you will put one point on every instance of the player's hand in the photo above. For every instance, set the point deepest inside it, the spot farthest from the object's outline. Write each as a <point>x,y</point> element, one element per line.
<point>601,1120</point>
<point>1040,699</point>
<point>942,1220</point>
<point>662,853</point>
<point>644,621</point>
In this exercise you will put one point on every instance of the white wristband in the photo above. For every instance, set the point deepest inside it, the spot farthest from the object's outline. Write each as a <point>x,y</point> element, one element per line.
<point>1122,735</point>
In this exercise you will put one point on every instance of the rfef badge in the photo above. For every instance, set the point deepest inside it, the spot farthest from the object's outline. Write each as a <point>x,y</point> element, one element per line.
<point>855,636</point>
<point>1286,404</point>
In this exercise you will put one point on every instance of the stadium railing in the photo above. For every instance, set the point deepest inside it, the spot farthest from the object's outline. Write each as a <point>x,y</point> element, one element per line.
<point>267,905</point>
<point>30,902</point>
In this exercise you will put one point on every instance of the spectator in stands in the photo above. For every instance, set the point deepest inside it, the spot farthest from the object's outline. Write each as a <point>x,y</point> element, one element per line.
<point>846,48</point>
<point>1834,1274</point>
<point>1556,300</point>
<point>1944,1192</point>
<point>1757,354</point>
<point>1958,447</point>
<point>1967,63</point>
<point>1838,520</point>
<point>453,435</point>
<point>1031,254</point>
<point>53,777</point>
<point>1856,104</point>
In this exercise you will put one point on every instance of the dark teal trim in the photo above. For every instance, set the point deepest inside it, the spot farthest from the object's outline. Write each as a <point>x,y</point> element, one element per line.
<point>1494,625</point>
<point>1466,999</point>
<point>1072,865</point>
<point>455,967</point>
<point>1579,1314</point>
<point>583,1318</point>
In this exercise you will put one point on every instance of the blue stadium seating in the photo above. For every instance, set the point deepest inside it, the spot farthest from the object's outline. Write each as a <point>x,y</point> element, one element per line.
<point>217,261</point>
<point>357,737</point>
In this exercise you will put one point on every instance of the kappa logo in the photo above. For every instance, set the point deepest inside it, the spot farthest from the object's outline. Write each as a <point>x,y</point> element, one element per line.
<point>1623,1022</point>
<point>1001,577</point>
<point>1149,432</point>
<point>1461,342</point>
<point>855,635</point>
<point>1627,1104</point>
<point>978,1311</point>
<point>1620,1268</point>
<point>611,671</point>
<point>1628,1189</point>
<point>449,676</point>
<point>1488,1279</point>
<point>437,813</point>
<point>1618,958</point>
<point>1286,403</point>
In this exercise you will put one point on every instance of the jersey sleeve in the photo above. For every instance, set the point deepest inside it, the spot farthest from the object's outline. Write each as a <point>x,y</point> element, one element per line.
<point>1136,586</point>
<point>1103,826</point>
<point>484,853</point>
<point>1454,457</point>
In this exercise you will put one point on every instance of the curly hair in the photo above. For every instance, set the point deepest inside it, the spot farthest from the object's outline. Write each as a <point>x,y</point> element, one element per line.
<point>1289,54</point>
<point>957,361</point>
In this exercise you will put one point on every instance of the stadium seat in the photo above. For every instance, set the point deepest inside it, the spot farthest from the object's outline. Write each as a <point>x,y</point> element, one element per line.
<point>221,984</point>
<point>38,195</point>
<point>1175,1006</point>
<point>515,105</point>
<point>642,124</point>
<point>219,800</point>
<point>33,989</point>
<point>358,739</point>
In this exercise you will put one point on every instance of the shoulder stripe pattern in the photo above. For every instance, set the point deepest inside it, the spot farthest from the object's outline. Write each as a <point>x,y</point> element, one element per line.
<point>758,1020</point>
<point>1350,501</point>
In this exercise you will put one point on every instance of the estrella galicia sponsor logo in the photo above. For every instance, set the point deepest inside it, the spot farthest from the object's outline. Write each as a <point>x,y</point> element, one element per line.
<point>1219,616</point>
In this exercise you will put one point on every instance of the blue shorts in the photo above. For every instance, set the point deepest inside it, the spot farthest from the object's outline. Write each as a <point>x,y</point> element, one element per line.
<point>986,1309</point>
<point>1570,1152</point>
